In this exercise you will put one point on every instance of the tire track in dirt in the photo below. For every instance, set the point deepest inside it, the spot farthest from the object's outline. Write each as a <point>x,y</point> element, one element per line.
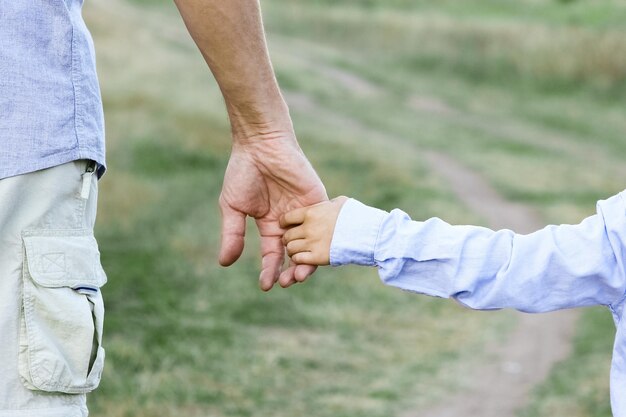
<point>501,386</point>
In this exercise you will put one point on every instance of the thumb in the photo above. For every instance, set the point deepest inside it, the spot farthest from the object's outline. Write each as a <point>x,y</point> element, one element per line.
<point>233,232</point>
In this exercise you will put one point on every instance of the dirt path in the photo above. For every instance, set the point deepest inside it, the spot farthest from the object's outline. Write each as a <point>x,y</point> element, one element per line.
<point>500,385</point>
<point>481,198</point>
<point>507,128</point>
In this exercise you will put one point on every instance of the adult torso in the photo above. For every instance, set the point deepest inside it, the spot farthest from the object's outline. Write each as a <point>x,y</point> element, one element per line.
<point>50,105</point>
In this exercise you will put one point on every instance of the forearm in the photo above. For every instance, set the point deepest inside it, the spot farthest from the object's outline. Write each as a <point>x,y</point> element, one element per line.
<point>230,36</point>
<point>557,267</point>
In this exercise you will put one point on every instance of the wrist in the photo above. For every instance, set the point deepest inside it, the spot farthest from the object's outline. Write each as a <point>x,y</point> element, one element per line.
<point>259,120</point>
<point>356,234</point>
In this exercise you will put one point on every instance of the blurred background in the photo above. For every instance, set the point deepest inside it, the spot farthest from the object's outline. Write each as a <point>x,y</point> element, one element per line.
<point>424,105</point>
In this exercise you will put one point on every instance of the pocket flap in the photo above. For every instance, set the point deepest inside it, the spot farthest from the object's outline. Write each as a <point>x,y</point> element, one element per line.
<point>63,259</point>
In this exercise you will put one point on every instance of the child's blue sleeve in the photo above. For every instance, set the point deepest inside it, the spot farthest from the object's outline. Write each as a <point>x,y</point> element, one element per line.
<point>556,267</point>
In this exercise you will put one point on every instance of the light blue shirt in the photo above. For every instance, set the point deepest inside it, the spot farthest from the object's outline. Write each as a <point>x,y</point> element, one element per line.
<point>50,106</point>
<point>554,268</point>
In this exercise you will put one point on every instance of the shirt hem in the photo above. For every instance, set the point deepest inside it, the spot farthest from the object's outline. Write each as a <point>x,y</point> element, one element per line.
<point>55,160</point>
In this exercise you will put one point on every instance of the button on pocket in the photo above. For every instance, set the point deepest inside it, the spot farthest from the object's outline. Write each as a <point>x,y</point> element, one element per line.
<point>62,316</point>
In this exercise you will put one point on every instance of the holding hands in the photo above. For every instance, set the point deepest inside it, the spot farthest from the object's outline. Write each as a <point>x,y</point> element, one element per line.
<point>265,178</point>
<point>310,232</point>
<point>267,174</point>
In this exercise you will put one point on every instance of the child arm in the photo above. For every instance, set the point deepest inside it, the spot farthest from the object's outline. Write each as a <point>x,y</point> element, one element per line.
<point>554,268</point>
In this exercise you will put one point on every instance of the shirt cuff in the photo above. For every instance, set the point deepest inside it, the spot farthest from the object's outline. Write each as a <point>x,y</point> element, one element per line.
<point>356,234</point>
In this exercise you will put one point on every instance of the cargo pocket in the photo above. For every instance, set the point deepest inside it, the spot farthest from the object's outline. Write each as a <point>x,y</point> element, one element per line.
<point>62,315</point>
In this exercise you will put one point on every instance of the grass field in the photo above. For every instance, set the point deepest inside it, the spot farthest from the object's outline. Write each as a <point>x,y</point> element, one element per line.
<point>528,93</point>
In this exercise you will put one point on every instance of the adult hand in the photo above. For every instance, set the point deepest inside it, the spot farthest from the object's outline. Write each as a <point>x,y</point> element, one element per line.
<point>265,178</point>
<point>267,174</point>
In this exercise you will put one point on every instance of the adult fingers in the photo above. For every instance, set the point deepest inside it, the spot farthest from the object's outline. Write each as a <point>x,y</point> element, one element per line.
<point>233,232</point>
<point>290,283</point>
<point>287,277</point>
<point>293,217</point>
<point>270,271</point>
<point>295,273</point>
<point>273,254</point>
<point>302,272</point>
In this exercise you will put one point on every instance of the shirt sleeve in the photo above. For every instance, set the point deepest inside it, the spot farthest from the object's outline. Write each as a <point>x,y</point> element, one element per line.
<point>554,268</point>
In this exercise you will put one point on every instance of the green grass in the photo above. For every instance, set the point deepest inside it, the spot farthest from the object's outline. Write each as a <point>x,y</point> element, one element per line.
<point>528,93</point>
<point>600,14</point>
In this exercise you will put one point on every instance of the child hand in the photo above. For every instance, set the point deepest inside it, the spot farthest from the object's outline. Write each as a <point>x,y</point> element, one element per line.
<point>311,231</point>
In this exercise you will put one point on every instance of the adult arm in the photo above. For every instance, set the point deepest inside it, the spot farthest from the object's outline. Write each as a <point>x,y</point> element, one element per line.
<point>268,173</point>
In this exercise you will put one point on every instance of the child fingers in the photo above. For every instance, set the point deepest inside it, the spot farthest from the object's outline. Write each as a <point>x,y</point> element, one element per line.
<point>293,234</point>
<point>293,217</point>
<point>305,258</point>
<point>296,246</point>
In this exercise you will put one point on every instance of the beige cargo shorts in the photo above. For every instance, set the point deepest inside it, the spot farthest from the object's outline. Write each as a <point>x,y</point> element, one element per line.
<point>51,309</point>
